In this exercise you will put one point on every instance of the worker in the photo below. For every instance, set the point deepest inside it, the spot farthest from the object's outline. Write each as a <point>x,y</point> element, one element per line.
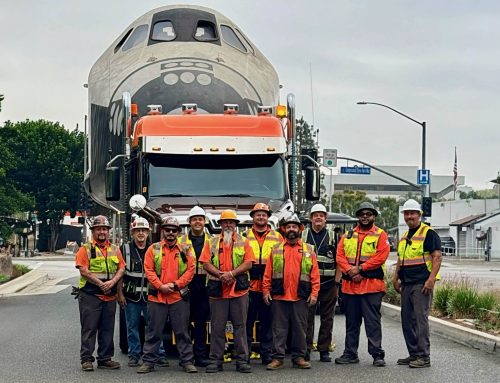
<point>133,290</point>
<point>323,241</point>
<point>417,269</point>
<point>200,309</point>
<point>227,258</point>
<point>101,266</point>
<point>291,285</point>
<point>361,256</point>
<point>169,267</point>
<point>262,239</point>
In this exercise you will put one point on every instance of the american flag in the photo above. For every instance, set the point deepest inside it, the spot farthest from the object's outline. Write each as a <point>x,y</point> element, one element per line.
<point>455,171</point>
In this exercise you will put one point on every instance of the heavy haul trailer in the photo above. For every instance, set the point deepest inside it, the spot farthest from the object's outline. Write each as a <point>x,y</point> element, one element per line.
<point>143,141</point>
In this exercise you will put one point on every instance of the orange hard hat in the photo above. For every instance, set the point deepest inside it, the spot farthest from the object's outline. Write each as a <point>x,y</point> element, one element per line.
<point>260,206</point>
<point>227,215</point>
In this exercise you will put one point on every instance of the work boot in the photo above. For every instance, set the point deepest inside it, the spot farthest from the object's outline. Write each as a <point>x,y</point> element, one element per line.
<point>108,364</point>
<point>266,360</point>
<point>307,357</point>
<point>146,368</point>
<point>420,362</point>
<point>324,356</point>
<point>244,368</point>
<point>133,362</point>
<point>378,361</point>
<point>406,361</point>
<point>163,362</point>
<point>190,368</point>
<point>213,368</point>
<point>201,362</point>
<point>301,363</point>
<point>275,365</point>
<point>347,359</point>
<point>87,366</point>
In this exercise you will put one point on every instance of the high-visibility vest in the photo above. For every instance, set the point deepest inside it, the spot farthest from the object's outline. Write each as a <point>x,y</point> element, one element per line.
<point>263,252</point>
<point>238,255</point>
<point>186,242</point>
<point>277,284</point>
<point>411,250</point>
<point>368,250</point>
<point>134,278</point>
<point>326,264</point>
<point>182,263</point>
<point>102,267</point>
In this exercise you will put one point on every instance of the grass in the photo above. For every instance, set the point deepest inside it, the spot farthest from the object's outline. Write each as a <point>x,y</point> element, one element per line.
<point>18,270</point>
<point>4,278</point>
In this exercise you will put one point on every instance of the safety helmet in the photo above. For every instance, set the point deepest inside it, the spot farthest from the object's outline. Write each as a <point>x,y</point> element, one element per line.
<point>139,223</point>
<point>100,221</point>
<point>318,207</point>
<point>228,215</point>
<point>170,222</point>
<point>367,206</point>
<point>292,219</point>
<point>411,205</point>
<point>196,211</point>
<point>260,207</point>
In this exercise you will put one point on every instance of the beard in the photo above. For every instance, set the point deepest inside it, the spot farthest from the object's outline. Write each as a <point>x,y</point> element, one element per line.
<point>291,235</point>
<point>227,236</point>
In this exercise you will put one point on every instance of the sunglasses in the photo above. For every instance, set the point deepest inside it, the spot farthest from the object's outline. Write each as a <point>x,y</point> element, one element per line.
<point>169,230</point>
<point>365,213</point>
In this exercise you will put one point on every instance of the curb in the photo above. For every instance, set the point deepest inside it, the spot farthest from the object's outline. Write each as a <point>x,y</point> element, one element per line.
<point>451,331</point>
<point>29,280</point>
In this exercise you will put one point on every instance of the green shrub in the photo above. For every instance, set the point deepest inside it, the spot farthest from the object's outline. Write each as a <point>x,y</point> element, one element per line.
<point>18,270</point>
<point>4,278</point>
<point>463,301</point>
<point>442,294</point>
<point>485,303</point>
<point>392,296</point>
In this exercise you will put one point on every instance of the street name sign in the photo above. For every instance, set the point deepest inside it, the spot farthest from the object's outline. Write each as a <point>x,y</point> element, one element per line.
<point>355,170</point>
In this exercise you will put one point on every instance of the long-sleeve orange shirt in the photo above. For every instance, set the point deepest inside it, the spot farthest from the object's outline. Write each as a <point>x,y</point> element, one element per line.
<point>292,255</point>
<point>367,285</point>
<point>169,271</point>
<point>226,263</point>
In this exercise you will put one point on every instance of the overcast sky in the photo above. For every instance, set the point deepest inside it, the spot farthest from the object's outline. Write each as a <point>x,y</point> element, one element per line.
<point>436,61</point>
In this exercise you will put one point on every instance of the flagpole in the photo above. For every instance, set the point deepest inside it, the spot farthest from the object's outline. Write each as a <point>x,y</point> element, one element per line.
<point>455,176</point>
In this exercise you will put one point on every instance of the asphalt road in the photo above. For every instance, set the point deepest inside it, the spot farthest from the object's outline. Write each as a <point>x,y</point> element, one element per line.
<point>39,340</point>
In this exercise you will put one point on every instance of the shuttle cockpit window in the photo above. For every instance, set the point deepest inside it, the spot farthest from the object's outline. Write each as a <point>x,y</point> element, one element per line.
<point>205,31</point>
<point>231,38</point>
<point>163,31</point>
<point>120,43</point>
<point>138,36</point>
<point>242,36</point>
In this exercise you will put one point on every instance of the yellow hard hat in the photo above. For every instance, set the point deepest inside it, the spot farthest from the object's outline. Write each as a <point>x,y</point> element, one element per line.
<point>227,215</point>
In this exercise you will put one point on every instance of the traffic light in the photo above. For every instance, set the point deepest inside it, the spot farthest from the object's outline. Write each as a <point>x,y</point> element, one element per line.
<point>306,162</point>
<point>427,206</point>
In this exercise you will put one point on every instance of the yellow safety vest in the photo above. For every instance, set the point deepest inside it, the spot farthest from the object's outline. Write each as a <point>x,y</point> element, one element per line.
<point>368,250</point>
<point>261,253</point>
<point>102,267</point>
<point>411,251</point>
<point>185,241</point>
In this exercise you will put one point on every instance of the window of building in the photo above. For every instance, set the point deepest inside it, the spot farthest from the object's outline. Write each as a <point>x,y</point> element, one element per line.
<point>163,31</point>
<point>205,31</point>
<point>138,36</point>
<point>231,38</point>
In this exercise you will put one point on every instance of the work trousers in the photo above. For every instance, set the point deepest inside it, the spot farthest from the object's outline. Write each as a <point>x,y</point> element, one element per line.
<point>200,314</point>
<point>289,315</point>
<point>159,313</point>
<point>222,310</point>
<point>359,307</point>
<point>327,299</point>
<point>258,310</point>
<point>415,319</point>
<point>97,319</point>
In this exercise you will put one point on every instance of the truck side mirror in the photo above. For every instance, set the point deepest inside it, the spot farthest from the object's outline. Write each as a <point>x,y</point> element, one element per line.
<point>312,183</point>
<point>113,183</point>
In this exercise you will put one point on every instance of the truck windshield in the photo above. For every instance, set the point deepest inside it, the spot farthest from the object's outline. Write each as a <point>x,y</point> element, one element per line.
<point>217,175</point>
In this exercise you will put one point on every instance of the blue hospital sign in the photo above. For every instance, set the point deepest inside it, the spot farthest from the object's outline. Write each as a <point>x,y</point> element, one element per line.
<point>423,176</point>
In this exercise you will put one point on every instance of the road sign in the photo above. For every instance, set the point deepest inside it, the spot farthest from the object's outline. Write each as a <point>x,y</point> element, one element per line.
<point>423,176</point>
<point>355,170</point>
<point>330,158</point>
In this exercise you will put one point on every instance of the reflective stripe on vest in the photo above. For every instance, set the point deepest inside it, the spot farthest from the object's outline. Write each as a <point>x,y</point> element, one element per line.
<point>305,266</point>
<point>322,259</point>
<point>128,262</point>
<point>158,257</point>
<point>262,253</point>
<point>238,252</point>
<point>186,242</point>
<point>368,246</point>
<point>411,251</point>
<point>102,267</point>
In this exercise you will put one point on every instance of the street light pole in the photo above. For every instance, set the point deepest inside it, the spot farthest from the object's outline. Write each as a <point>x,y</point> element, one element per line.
<point>425,188</point>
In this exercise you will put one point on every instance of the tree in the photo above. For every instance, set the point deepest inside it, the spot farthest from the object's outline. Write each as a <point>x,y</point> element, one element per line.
<point>1,99</point>
<point>305,139</point>
<point>50,169</point>
<point>388,208</point>
<point>348,201</point>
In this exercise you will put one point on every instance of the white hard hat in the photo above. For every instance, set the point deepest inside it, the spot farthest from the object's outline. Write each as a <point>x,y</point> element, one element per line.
<point>196,211</point>
<point>139,223</point>
<point>318,207</point>
<point>411,205</point>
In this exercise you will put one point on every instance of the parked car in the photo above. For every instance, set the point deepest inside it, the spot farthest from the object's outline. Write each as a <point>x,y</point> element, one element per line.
<point>447,246</point>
